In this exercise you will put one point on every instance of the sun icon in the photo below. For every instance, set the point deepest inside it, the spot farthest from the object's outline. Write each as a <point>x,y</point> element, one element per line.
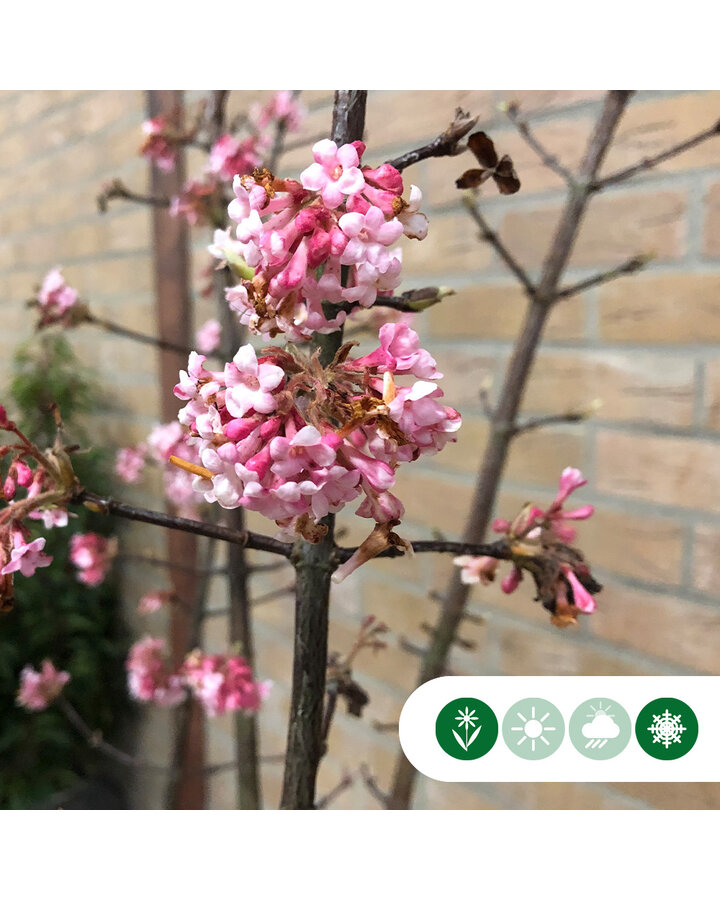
<point>533,728</point>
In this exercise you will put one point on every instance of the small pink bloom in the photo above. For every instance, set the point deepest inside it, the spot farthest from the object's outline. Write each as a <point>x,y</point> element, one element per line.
<point>52,517</point>
<point>92,555</point>
<point>230,156</point>
<point>39,689</point>
<point>153,602</point>
<point>250,383</point>
<point>149,676</point>
<point>129,463</point>
<point>582,598</point>
<point>207,337</point>
<point>334,173</point>
<point>476,569</point>
<point>511,581</point>
<point>157,147</point>
<point>26,558</point>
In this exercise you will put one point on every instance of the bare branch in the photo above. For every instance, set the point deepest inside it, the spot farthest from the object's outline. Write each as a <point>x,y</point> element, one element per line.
<point>445,144</point>
<point>493,239</point>
<point>371,784</point>
<point>566,418</point>
<point>248,539</point>
<point>279,141</point>
<point>150,339</point>
<point>345,782</point>
<point>117,190</point>
<point>634,264</point>
<point>650,161</point>
<point>512,111</point>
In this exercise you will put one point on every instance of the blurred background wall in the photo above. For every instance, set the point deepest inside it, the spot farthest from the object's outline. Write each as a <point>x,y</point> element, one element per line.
<point>647,346</point>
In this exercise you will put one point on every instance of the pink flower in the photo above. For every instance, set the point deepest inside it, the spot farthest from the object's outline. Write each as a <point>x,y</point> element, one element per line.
<point>149,676</point>
<point>157,147</point>
<point>55,299</point>
<point>476,569</point>
<point>250,383</point>
<point>51,517</point>
<point>92,555</point>
<point>207,337</point>
<point>230,156</point>
<point>281,107</point>
<point>153,602</point>
<point>194,202</point>
<point>129,463</point>
<point>223,683</point>
<point>334,173</point>
<point>26,558</point>
<point>415,223</point>
<point>39,689</point>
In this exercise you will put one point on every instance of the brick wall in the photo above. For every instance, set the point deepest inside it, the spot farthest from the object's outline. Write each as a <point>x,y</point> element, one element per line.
<point>646,346</point>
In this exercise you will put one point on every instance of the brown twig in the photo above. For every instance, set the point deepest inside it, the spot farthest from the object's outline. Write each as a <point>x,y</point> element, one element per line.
<point>650,162</point>
<point>118,190</point>
<point>371,784</point>
<point>345,782</point>
<point>493,239</point>
<point>138,336</point>
<point>248,539</point>
<point>445,144</point>
<point>548,159</point>
<point>630,266</point>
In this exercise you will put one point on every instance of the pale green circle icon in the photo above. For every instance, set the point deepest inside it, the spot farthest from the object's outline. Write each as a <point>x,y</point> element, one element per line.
<point>600,728</point>
<point>533,728</point>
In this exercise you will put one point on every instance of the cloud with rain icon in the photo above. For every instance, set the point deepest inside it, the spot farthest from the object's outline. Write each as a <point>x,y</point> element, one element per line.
<point>600,730</point>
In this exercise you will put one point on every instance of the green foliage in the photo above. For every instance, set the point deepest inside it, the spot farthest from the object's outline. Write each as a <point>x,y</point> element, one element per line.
<point>55,617</point>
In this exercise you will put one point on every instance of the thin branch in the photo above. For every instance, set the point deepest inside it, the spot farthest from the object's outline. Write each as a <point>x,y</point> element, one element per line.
<point>345,782</point>
<point>512,111</point>
<point>372,786</point>
<point>650,161</point>
<point>248,539</point>
<point>634,264</point>
<point>493,239</point>
<point>278,147</point>
<point>445,144</point>
<point>138,336</point>
<point>567,418</point>
<point>118,190</point>
<point>497,549</point>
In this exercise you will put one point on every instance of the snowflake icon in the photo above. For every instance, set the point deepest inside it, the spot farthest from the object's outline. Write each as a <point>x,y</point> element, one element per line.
<point>667,729</point>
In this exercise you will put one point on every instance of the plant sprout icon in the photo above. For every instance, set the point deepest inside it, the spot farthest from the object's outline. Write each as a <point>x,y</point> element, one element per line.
<point>468,719</point>
<point>601,729</point>
<point>533,729</point>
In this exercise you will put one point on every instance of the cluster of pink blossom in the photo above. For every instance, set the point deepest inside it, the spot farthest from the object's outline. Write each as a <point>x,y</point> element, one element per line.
<point>326,239</point>
<point>207,337</point>
<point>161,142</point>
<point>150,677</point>
<point>284,437</point>
<point>163,442</point>
<point>220,682</point>
<point>223,683</point>
<point>38,689</point>
<point>537,528</point>
<point>92,555</point>
<point>194,202</point>
<point>56,300</point>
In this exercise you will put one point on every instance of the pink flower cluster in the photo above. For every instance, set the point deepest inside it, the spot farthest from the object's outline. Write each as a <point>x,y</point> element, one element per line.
<point>24,557</point>
<point>160,143</point>
<point>153,602</point>
<point>223,683</point>
<point>55,299</point>
<point>220,682</point>
<point>92,555</point>
<point>533,527</point>
<point>281,436</point>
<point>326,239</point>
<point>38,689</point>
<point>150,678</point>
<point>207,337</point>
<point>163,442</point>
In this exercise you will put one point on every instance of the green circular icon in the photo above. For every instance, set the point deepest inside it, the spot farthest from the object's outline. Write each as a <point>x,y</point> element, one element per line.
<point>533,728</point>
<point>466,728</point>
<point>666,728</point>
<point>600,728</point>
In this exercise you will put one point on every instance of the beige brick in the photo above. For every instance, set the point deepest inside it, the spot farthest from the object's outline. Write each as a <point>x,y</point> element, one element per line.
<point>712,394</point>
<point>497,311</point>
<point>465,372</point>
<point>673,796</point>
<point>451,245</point>
<point>411,117</point>
<point>706,559</point>
<point>631,387</point>
<point>647,548</point>
<point>711,245</point>
<point>536,457</point>
<point>673,471</point>
<point>615,227</point>
<point>668,308</point>
<point>667,627</point>
<point>544,101</point>
<point>554,795</point>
